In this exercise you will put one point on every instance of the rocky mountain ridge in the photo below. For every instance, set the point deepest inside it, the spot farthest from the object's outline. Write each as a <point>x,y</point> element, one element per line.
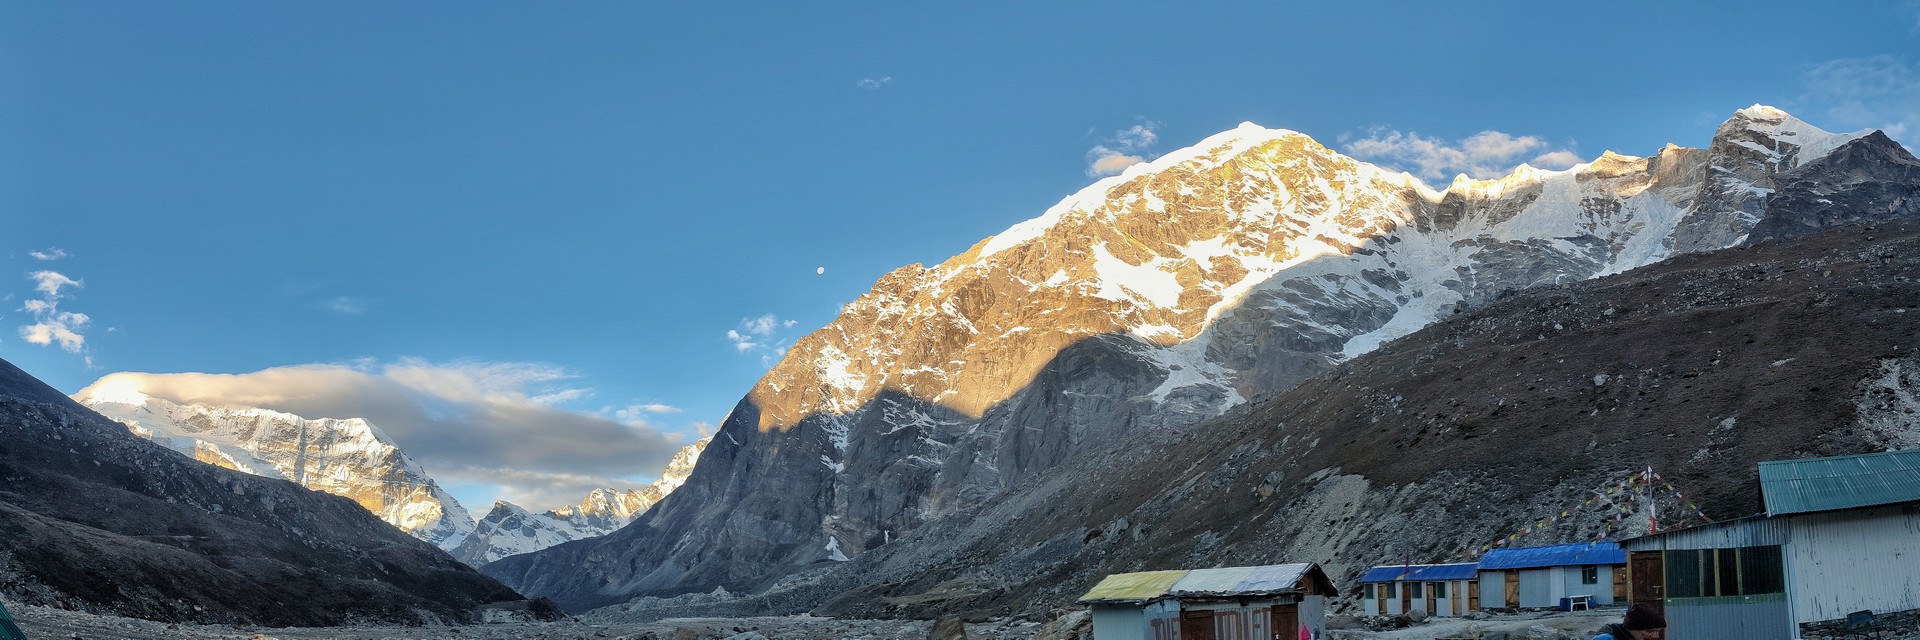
<point>510,529</point>
<point>93,517</point>
<point>1150,301</point>
<point>345,457</point>
<point>353,458</point>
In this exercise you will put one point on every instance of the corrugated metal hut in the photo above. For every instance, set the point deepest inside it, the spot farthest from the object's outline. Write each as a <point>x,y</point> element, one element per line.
<point>1538,577</point>
<point>1233,603</point>
<point>1840,535</point>
<point>1437,589</point>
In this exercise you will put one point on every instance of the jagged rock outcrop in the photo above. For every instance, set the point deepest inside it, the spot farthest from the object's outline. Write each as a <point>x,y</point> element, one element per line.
<point>94,517</point>
<point>1872,180</point>
<point>345,457</point>
<point>509,529</point>
<point>1150,301</point>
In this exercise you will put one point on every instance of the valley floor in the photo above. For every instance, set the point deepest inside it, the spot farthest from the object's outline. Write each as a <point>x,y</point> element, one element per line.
<point>55,624</point>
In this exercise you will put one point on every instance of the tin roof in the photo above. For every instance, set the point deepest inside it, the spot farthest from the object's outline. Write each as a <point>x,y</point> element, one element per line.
<point>1421,572</point>
<point>1144,586</point>
<point>1242,581</point>
<point>1148,586</point>
<point>1840,482</point>
<point>1559,555</point>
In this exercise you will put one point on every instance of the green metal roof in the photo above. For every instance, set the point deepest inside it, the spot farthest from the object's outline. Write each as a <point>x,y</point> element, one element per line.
<point>1840,482</point>
<point>1134,587</point>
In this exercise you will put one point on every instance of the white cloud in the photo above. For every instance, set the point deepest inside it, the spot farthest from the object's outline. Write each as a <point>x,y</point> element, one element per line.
<point>873,83</point>
<point>51,325</point>
<point>741,341</point>
<point>766,334</point>
<point>636,414</point>
<point>1139,136</point>
<point>1878,92</point>
<point>1556,159</point>
<point>480,422</point>
<point>1484,155</point>
<point>1102,161</point>
<point>1125,148</point>
<point>52,253</point>
<point>761,326</point>
<point>50,283</point>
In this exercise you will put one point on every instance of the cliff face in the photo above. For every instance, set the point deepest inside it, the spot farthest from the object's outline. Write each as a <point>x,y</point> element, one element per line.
<point>1150,301</point>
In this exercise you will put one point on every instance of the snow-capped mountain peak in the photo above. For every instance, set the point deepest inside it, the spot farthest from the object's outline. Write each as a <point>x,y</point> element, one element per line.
<point>346,457</point>
<point>509,529</point>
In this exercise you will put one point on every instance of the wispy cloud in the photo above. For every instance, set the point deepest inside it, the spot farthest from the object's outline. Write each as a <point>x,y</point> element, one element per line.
<point>345,305</point>
<point>639,414</point>
<point>51,253</point>
<point>1877,92</point>
<point>1488,154</point>
<point>873,83</point>
<point>51,325</point>
<point>762,334</point>
<point>489,423</point>
<point>1125,148</point>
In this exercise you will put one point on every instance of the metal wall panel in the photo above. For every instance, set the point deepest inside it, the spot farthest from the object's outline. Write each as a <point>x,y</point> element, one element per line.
<point>1493,589</point>
<point>1745,617</point>
<point>1746,532</point>
<point>1536,588</point>
<point>1845,561</point>
<point>1313,612</point>
<point>1120,622</point>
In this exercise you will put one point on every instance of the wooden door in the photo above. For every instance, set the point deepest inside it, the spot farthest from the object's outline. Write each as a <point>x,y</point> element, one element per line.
<point>1432,600</point>
<point>1381,591</point>
<point>1196,625</point>
<point>1513,588</point>
<point>1406,599</point>
<point>1647,579</point>
<point>1473,595</point>
<point>1459,598</point>
<point>1286,622</point>
<point>1619,583</point>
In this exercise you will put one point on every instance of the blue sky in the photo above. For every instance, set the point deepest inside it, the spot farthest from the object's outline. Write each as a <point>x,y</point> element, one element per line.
<point>599,214</point>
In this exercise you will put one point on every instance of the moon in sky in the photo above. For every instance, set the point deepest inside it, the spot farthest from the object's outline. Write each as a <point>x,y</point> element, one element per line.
<point>820,270</point>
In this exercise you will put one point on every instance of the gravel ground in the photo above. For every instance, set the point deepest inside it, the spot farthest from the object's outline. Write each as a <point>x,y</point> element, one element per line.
<point>55,624</point>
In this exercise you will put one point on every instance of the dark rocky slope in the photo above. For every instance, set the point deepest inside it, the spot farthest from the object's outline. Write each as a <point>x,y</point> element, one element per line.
<point>92,517</point>
<point>1465,432</point>
<point>1452,437</point>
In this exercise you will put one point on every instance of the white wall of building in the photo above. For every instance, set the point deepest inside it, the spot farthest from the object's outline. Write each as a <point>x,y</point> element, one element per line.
<point>1846,561</point>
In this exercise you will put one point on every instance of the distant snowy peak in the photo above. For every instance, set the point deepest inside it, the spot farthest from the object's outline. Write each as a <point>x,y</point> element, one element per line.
<point>1795,139</point>
<point>345,457</point>
<point>509,529</point>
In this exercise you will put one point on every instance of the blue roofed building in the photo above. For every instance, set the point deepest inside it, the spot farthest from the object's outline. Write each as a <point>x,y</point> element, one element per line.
<point>1540,577</point>
<point>1443,590</point>
<point>1840,536</point>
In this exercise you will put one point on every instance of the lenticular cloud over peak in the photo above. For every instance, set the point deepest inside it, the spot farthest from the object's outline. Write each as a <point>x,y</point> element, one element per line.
<point>488,422</point>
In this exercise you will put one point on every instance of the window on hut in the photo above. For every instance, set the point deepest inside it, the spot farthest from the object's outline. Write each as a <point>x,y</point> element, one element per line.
<point>1708,573</point>
<point>1589,575</point>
